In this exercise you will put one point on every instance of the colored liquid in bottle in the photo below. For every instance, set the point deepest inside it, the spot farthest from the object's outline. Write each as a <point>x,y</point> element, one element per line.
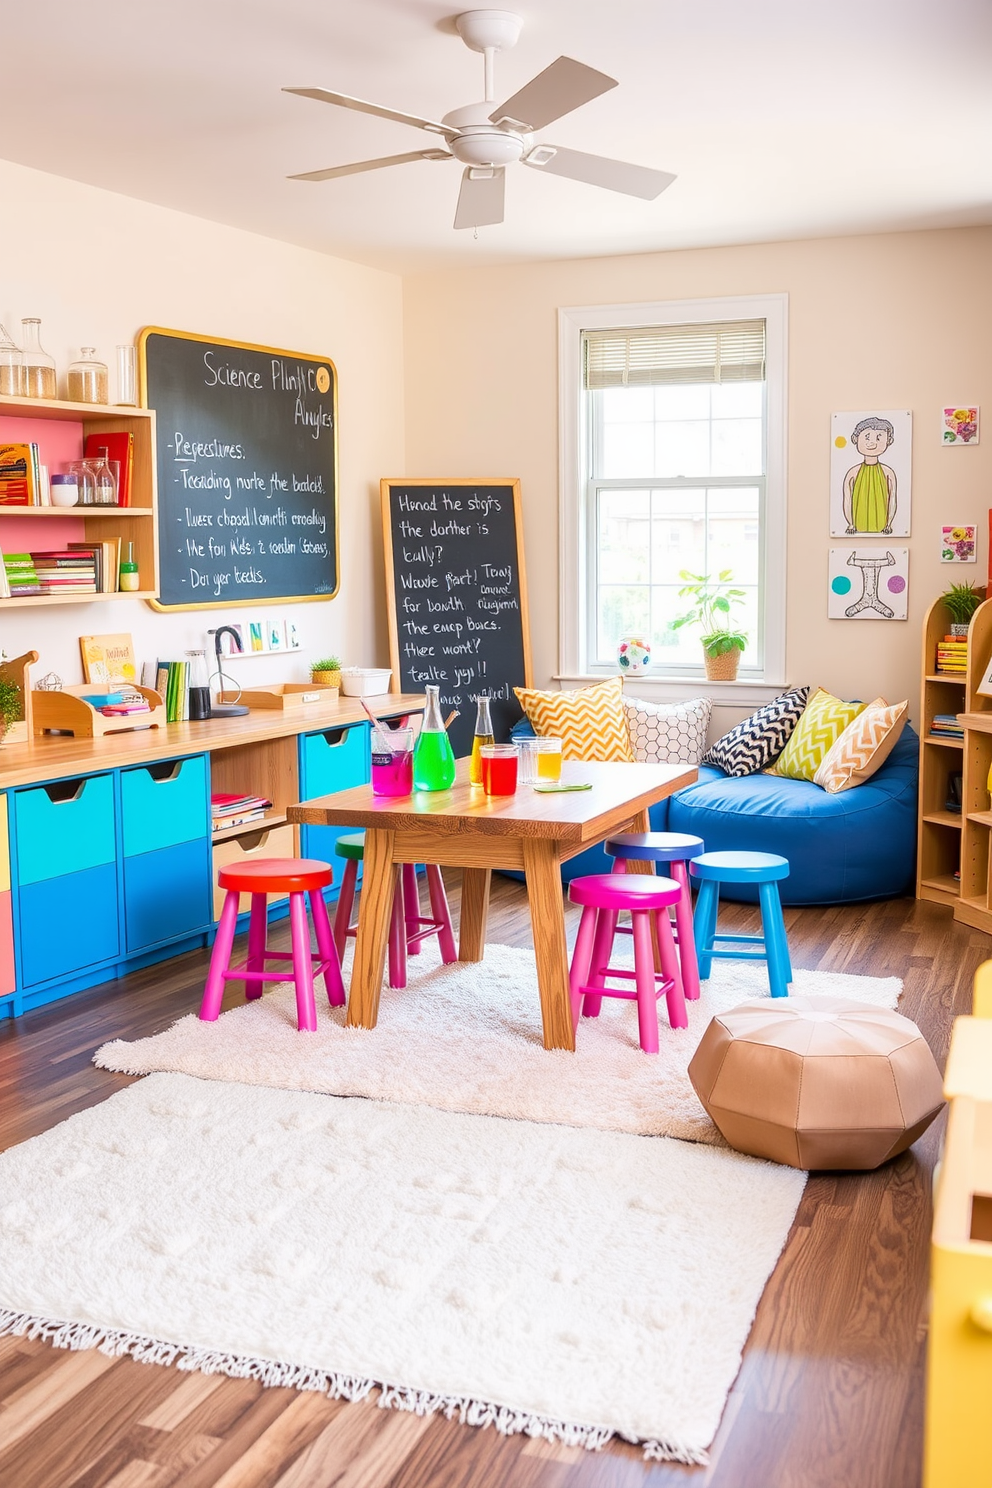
<point>499,775</point>
<point>548,765</point>
<point>475,763</point>
<point>433,762</point>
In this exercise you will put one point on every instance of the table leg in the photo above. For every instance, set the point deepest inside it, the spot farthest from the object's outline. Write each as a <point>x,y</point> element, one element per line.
<point>547,918</point>
<point>380,882</point>
<point>474,913</point>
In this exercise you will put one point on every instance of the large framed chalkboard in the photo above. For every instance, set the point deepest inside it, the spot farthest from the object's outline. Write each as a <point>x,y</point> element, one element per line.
<point>247,470</point>
<point>457,595</point>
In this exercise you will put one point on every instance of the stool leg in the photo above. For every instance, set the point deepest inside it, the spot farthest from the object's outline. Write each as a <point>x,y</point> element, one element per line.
<point>441,913</point>
<point>346,899</point>
<point>776,946</point>
<point>257,927</point>
<point>602,949</point>
<point>647,1004</point>
<point>411,906</point>
<point>687,944</point>
<point>220,958</point>
<point>705,927</point>
<point>581,957</point>
<point>299,928</point>
<point>397,939</point>
<point>675,995</point>
<point>333,985</point>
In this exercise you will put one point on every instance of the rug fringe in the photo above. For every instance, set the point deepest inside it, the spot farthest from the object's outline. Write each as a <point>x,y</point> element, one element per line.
<point>470,1412</point>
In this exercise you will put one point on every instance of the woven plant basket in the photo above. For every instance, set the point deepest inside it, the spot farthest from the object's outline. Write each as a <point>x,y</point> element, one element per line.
<point>722,668</point>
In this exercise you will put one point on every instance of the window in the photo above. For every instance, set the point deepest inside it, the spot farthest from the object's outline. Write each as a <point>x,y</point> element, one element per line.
<point>672,460</point>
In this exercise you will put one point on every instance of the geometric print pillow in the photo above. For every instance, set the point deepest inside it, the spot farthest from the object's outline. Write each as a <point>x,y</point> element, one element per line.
<point>668,733</point>
<point>752,745</point>
<point>590,722</point>
<point>824,720</point>
<point>862,748</point>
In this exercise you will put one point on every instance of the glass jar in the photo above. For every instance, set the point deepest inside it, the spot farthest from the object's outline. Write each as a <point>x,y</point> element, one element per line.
<point>127,376</point>
<point>85,481</point>
<point>199,685</point>
<point>103,477</point>
<point>88,378</point>
<point>38,367</point>
<point>11,367</point>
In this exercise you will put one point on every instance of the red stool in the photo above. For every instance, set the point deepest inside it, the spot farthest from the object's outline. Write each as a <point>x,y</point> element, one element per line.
<point>295,877</point>
<point>407,926</point>
<point>603,896</point>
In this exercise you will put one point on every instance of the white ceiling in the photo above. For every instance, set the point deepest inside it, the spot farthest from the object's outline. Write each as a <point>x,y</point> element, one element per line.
<point>782,118</point>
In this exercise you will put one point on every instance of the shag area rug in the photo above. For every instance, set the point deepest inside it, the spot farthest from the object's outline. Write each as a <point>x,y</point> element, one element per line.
<point>568,1284</point>
<point>467,1037</point>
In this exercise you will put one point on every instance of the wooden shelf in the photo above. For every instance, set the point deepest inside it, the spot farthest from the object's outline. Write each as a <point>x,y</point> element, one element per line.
<point>946,883</point>
<point>984,818</point>
<point>245,829</point>
<point>944,743</point>
<point>947,818</point>
<point>959,677</point>
<point>44,600</point>
<point>76,511</point>
<point>61,408</point>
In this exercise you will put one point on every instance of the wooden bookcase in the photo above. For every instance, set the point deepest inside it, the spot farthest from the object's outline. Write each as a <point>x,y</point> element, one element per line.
<point>137,523</point>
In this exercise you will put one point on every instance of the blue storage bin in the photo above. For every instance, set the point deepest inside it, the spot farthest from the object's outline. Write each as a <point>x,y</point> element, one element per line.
<point>163,804</point>
<point>67,924</point>
<point>334,759</point>
<point>167,894</point>
<point>63,828</point>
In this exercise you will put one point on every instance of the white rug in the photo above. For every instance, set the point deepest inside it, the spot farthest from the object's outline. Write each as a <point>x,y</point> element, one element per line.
<point>568,1284</point>
<point>468,1038</point>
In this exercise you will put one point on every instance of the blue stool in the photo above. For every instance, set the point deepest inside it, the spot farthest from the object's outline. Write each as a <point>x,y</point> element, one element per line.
<point>676,849</point>
<point>765,870</point>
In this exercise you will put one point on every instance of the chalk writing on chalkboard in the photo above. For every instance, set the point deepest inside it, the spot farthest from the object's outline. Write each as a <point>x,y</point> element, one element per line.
<point>247,470</point>
<point>457,596</point>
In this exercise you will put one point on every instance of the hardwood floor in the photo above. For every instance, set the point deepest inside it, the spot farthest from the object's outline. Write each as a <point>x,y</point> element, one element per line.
<point>831,1388</point>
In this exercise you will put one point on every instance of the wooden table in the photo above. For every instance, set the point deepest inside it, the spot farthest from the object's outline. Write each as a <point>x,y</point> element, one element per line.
<point>463,828</point>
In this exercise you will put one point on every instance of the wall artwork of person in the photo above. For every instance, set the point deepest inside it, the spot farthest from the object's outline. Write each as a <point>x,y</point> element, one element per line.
<point>871,473</point>
<point>868,583</point>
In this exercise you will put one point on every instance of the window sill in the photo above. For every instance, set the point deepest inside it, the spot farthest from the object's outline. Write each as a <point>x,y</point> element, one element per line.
<point>745,691</point>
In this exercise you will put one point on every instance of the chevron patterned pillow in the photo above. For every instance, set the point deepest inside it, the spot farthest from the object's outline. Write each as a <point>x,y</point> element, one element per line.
<point>824,720</point>
<point>862,748</point>
<point>590,723</point>
<point>752,745</point>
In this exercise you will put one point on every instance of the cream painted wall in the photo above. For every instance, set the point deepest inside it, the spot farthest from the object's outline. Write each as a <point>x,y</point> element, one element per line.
<point>96,267</point>
<point>892,321</point>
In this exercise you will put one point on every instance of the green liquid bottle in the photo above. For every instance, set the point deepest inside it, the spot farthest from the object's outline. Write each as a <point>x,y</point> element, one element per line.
<point>433,759</point>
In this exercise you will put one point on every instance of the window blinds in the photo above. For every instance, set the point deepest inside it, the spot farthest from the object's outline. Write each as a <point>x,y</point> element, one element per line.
<point>728,351</point>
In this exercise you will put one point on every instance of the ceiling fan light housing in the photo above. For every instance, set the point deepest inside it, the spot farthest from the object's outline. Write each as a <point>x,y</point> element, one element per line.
<point>481,29</point>
<point>487,147</point>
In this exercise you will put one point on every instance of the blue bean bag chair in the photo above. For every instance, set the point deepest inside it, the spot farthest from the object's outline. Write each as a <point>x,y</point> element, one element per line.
<point>858,844</point>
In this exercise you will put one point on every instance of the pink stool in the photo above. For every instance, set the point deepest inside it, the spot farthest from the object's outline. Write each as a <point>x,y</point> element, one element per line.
<point>408,928</point>
<point>295,877</point>
<point>603,896</point>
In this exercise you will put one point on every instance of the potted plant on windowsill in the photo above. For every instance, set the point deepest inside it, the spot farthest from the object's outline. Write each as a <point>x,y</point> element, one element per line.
<point>326,672</point>
<point>961,601</point>
<point>712,602</point>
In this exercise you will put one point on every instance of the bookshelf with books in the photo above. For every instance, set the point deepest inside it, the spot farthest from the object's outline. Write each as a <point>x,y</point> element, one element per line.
<point>60,430</point>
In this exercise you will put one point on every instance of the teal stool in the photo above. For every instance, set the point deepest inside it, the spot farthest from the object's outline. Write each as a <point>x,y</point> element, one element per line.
<point>764,869</point>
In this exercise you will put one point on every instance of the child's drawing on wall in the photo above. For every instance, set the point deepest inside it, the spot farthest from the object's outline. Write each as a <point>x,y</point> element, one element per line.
<point>870,474</point>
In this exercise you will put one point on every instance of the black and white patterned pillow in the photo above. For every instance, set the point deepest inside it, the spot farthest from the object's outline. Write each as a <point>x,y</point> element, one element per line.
<point>667,733</point>
<point>752,745</point>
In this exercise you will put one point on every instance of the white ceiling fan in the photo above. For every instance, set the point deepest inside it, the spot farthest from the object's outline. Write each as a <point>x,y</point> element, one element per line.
<point>486,138</point>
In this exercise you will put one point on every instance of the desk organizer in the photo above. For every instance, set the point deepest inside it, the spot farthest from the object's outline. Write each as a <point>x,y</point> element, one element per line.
<point>288,697</point>
<point>69,712</point>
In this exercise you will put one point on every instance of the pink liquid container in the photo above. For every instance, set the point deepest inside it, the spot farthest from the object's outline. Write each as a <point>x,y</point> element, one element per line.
<point>392,762</point>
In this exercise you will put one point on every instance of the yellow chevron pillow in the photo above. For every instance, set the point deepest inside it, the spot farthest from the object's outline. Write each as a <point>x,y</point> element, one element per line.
<point>824,719</point>
<point>591,723</point>
<point>863,747</point>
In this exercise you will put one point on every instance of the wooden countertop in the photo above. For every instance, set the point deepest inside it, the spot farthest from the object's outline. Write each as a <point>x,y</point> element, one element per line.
<point>49,757</point>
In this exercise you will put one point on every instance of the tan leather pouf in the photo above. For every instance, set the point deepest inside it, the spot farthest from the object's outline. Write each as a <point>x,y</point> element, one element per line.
<point>816,1082</point>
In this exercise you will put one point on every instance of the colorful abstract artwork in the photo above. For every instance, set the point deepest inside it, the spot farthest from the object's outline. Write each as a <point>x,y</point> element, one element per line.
<point>959,425</point>
<point>871,461</point>
<point>957,544</point>
<point>868,583</point>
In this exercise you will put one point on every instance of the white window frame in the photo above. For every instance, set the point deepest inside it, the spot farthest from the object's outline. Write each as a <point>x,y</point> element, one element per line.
<point>574,588</point>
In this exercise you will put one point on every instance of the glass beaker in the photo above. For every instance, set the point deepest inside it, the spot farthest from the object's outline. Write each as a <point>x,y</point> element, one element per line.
<point>103,476</point>
<point>38,367</point>
<point>11,367</point>
<point>199,685</point>
<point>433,758</point>
<point>546,756</point>
<point>392,762</point>
<point>499,769</point>
<point>85,481</point>
<point>127,376</point>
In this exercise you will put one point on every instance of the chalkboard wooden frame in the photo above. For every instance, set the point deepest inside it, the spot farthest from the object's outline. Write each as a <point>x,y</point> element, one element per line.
<point>509,485</point>
<point>164,508</point>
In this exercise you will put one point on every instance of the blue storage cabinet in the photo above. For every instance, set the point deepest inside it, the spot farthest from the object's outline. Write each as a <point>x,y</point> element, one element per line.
<point>332,760</point>
<point>65,857</point>
<point>165,834</point>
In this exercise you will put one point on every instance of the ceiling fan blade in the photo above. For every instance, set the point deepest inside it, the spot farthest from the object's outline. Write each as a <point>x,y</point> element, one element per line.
<point>598,170</point>
<point>480,200</point>
<point>369,165</point>
<point>559,89</point>
<point>324,95</point>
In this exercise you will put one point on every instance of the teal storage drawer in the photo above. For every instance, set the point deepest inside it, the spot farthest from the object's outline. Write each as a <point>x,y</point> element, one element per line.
<point>163,804</point>
<point>333,760</point>
<point>166,894</point>
<point>67,925</point>
<point>64,828</point>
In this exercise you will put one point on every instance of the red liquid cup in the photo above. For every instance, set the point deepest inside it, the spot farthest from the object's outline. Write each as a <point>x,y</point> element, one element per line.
<point>499,769</point>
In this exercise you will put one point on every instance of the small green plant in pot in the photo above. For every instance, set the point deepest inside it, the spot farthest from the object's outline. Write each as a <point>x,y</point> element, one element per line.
<point>10,705</point>
<point>326,672</point>
<point>712,601</point>
<point>962,600</point>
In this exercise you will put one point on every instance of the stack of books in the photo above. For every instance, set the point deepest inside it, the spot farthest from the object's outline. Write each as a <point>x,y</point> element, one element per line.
<point>172,683</point>
<point>234,810</point>
<point>19,575</point>
<point>67,571</point>
<point>946,726</point>
<point>952,655</point>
